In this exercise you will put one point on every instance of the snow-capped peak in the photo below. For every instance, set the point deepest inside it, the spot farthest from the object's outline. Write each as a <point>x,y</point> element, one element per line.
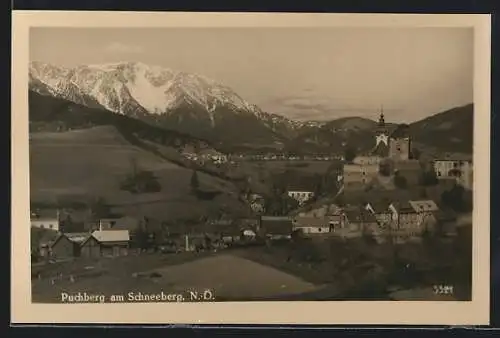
<point>156,89</point>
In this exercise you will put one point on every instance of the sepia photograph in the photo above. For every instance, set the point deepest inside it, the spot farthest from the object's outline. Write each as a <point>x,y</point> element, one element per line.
<point>275,164</point>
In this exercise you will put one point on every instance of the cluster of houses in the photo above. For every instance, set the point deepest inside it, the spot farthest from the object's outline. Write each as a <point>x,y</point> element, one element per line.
<point>202,155</point>
<point>102,238</point>
<point>398,221</point>
<point>397,147</point>
<point>284,157</point>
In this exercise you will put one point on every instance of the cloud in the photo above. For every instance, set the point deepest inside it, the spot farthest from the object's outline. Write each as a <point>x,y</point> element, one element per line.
<point>118,47</point>
<point>302,107</point>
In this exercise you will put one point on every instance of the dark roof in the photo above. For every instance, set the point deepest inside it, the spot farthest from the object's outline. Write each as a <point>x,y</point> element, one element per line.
<point>58,238</point>
<point>276,225</point>
<point>381,150</point>
<point>379,206</point>
<point>312,221</point>
<point>302,184</point>
<point>359,216</point>
<point>403,206</point>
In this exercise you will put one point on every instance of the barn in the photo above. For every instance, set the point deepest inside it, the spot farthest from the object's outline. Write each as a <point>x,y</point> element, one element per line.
<point>90,248</point>
<point>63,247</point>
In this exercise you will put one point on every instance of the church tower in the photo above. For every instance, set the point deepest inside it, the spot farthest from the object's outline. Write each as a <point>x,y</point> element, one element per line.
<point>382,134</point>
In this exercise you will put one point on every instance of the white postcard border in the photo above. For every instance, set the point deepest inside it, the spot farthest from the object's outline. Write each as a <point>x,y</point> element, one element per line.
<point>475,312</point>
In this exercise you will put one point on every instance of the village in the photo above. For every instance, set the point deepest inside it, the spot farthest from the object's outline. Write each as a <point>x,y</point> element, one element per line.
<point>383,196</point>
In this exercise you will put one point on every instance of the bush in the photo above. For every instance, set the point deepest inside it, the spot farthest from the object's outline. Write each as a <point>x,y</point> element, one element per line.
<point>195,183</point>
<point>400,181</point>
<point>141,182</point>
<point>349,154</point>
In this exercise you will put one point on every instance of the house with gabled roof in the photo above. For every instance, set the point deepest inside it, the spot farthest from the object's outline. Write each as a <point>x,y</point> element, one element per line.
<point>68,244</point>
<point>380,209</point>
<point>409,221</point>
<point>359,221</point>
<point>112,242</point>
<point>302,189</point>
<point>426,210</point>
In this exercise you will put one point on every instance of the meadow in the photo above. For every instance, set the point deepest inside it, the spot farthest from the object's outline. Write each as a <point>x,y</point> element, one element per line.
<point>93,162</point>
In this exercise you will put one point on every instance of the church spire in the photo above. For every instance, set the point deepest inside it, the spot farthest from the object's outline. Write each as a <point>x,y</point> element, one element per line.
<point>381,120</point>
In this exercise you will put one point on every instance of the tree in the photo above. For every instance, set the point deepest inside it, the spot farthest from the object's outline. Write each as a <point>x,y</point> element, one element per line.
<point>385,168</point>
<point>349,154</point>
<point>99,208</point>
<point>134,166</point>
<point>429,178</point>
<point>415,154</point>
<point>400,181</point>
<point>195,184</point>
<point>454,198</point>
<point>318,185</point>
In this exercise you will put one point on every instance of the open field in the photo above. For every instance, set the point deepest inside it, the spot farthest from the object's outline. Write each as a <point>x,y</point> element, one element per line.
<point>105,275</point>
<point>233,277</point>
<point>93,162</point>
<point>228,277</point>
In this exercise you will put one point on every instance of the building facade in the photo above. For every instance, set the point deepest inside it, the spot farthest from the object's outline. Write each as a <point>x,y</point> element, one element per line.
<point>46,223</point>
<point>311,225</point>
<point>366,168</point>
<point>400,143</point>
<point>458,168</point>
<point>300,196</point>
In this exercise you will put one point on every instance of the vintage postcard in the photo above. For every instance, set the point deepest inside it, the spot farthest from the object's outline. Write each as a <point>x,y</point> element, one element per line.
<point>236,168</point>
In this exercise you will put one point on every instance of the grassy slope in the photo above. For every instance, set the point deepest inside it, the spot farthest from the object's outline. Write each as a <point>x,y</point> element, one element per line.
<point>93,161</point>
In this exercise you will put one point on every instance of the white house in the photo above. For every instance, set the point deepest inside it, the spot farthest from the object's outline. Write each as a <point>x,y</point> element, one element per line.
<point>45,220</point>
<point>46,223</point>
<point>311,225</point>
<point>457,167</point>
<point>300,195</point>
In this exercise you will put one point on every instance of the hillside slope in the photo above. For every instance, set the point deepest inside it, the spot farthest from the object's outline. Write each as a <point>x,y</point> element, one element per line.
<point>93,162</point>
<point>448,131</point>
<point>451,130</point>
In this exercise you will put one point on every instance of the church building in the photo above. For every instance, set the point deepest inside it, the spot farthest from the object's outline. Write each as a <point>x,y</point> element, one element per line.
<point>395,146</point>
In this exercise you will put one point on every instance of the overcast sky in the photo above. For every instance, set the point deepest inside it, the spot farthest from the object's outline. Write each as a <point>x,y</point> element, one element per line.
<point>303,73</point>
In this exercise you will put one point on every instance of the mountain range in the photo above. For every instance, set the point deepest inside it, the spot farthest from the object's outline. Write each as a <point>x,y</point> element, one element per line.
<point>194,105</point>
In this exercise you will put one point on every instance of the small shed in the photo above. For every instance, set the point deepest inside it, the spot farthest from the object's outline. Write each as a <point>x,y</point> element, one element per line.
<point>90,248</point>
<point>63,247</point>
<point>113,242</point>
